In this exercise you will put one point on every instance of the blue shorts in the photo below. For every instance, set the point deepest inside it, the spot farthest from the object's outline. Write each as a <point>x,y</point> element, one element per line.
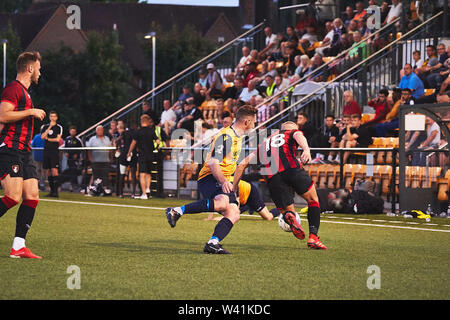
<point>209,188</point>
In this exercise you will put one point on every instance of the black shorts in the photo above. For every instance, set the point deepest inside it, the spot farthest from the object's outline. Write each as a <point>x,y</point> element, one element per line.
<point>283,185</point>
<point>145,165</point>
<point>209,188</point>
<point>50,160</point>
<point>255,202</point>
<point>17,164</point>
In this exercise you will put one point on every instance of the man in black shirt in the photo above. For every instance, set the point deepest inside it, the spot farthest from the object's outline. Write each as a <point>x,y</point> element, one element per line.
<point>51,133</point>
<point>190,115</point>
<point>356,136</point>
<point>73,157</point>
<point>143,139</point>
<point>328,135</point>
<point>147,109</point>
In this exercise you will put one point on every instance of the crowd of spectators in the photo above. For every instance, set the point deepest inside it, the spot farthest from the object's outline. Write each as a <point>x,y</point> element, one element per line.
<point>287,59</point>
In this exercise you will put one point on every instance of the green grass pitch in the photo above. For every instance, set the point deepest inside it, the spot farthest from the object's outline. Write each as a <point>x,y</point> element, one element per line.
<point>130,252</point>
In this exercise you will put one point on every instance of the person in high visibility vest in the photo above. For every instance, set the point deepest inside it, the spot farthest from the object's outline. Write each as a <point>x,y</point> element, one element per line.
<point>158,143</point>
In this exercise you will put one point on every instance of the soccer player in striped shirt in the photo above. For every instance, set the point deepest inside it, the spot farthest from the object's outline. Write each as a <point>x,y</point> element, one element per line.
<point>17,172</point>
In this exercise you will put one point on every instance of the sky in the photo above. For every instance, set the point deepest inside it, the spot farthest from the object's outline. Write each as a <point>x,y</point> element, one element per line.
<point>217,3</point>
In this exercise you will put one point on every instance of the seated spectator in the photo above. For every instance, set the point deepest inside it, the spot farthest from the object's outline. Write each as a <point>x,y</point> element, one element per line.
<point>417,60</point>
<point>250,73</point>
<point>394,13</point>
<point>430,62</point>
<point>234,91</point>
<point>209,107</point>
<point>309,38</point>
<point>348,16</point>
<point>214,81</point>
<point>190,115</point>
<point>432,142</point>
<point>352,27</point>
<point>391,122</point>
<point>268,90</point>
<point>328,135</point>
<point>249,92</point>
<point>112,132</point>
<point>358,47</point>
<point>326,41</point>
<point>362,28</point>
<point>360,11</point>
<point>342,127</point>
<point>356,136</point>
<point>351,106</point>
<point>304,68</point>
<point>302,22</point>
<point>202,78</point>
<point>317,62</point>
<point>381,107</point>
<point>336,42</point>
<point>281,86</point>
<point>271,42</point>
<point>168,118</point>
<point>411,81</point>
<point>199,94</point>
<point>246,57</point>
<point>438,72</point>
<point>208,132</point>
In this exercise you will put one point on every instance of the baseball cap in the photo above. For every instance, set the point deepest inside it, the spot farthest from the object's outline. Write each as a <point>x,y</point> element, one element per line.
<point>210,66</point>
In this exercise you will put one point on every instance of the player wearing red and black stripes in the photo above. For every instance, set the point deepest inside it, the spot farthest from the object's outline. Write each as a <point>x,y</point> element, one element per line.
<point>17,172</point>
<point>284,174</point>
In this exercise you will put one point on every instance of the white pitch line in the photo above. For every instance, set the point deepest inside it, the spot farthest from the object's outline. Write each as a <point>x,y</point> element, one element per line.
<point>379,220</point>
<point>248,215</point>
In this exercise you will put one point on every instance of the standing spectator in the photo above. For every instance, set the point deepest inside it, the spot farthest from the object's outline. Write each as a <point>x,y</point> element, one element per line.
<point>123,144</point>
<point>351,106</point>
<point>356,136</point>
<point>51,133</point>
<point>113,129</point>
<point>74,163</point>
<point>146,109</point>
<point>38,157</point>
<point>411,81</point>
<point>381,107</point>
<point>214,79</point>
<point>168,118</point>
<point>100,159</point>
<point>143,139</point>
<point>384,11</point>
<point>161,140</point>
<point>190,115</point>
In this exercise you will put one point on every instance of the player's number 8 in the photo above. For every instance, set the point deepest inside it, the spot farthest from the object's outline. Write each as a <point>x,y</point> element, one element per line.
<point>275,141</point>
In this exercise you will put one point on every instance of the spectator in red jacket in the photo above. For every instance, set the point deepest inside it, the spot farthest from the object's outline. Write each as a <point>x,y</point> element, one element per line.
<point>381,107</point>
<point>351,106</point>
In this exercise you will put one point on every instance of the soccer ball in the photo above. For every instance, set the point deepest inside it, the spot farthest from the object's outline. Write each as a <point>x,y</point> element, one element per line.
<point>283,225</point>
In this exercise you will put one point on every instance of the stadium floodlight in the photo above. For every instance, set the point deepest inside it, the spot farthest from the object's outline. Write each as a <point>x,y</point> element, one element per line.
<point>4,42</point>
<point>152,35</point>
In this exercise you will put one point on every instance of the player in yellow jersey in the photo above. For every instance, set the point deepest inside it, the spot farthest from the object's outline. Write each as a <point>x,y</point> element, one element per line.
<point>215,180</point>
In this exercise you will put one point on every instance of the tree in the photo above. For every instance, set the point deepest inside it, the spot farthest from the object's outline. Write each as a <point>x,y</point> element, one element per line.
<point>14,6</point>
<point>13,49</point>
<point>176,50</point>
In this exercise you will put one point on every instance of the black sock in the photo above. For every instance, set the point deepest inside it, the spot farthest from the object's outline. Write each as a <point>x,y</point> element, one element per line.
<point>204,205</point>
<point>50,183</point>
<point>55,184</point>
<point>6,203</point>
<point>25,217</point>
<point>222,229</point>
<point>313,217</point>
